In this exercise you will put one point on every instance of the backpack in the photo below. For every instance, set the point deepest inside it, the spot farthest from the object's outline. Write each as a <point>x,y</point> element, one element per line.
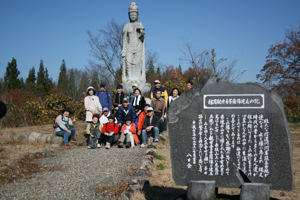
<point>55,125</point>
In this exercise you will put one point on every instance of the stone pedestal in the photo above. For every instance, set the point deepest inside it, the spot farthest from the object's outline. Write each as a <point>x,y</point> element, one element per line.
<point>254,191</point>
<point>201,190</point>
<point>144,87</point>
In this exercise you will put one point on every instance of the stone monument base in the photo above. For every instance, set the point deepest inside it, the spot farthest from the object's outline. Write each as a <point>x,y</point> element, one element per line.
<point>144,87</point>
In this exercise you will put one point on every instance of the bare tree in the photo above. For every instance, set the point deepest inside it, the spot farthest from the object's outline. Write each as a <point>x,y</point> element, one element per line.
<point>106,48</point>
<point>205,64</point>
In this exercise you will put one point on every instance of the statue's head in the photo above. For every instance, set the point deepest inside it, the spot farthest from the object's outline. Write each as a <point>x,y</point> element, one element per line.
<point>133,12</point>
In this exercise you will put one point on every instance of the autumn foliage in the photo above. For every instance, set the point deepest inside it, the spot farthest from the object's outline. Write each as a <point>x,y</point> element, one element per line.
<point>281,72</point>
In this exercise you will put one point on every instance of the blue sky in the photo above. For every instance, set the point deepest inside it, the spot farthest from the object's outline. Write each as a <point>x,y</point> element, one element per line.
<point>53,30</point>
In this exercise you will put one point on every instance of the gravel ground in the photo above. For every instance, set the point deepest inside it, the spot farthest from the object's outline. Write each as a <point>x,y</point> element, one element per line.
<point>80,172</point>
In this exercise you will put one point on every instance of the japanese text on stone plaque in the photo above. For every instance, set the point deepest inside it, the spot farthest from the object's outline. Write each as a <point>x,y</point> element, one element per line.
<point>234,101</point>
<point>215,137</point>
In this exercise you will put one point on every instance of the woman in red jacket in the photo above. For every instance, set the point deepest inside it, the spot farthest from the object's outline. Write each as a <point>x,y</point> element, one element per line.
<point>109,130</point>
<point>128,133</point>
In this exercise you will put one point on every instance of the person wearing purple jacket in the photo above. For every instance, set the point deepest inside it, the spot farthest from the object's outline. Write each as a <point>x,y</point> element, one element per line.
<point>104,97</point>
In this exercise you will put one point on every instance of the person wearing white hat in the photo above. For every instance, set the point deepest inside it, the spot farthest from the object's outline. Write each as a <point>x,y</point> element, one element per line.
<point>150,127</point>
<point>92,104</point>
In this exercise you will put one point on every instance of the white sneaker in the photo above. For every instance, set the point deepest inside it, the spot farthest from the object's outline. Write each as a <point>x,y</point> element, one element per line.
<point>89,147</point>
<point>142,145</point>
<point>98,145</point>
<point>107,145</point>
<point>156,140</point>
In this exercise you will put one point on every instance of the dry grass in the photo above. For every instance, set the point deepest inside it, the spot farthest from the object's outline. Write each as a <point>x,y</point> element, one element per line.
<point>12,149</point>
<point>162,185</point>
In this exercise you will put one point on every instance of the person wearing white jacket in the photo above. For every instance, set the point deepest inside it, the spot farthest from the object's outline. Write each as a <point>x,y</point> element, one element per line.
<point>92,104</point>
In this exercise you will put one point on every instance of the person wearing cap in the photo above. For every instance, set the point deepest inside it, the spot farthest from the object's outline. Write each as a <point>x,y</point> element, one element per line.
<point>150,127</point>
<point>138,101</point>
<point>104,96</point>
<point>134,86</point>
<point>104,118</point>
<point>92,104</point>
<point>128,133</point>
<point>118,98</point>
<point>65,127</point>
<point>159,106</point>
<point>164,93</point>
<point>109,131</point>
<point>126,110</point>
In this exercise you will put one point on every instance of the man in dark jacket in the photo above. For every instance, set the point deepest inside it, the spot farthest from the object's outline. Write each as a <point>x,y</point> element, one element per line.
<point>104,97</point>
<point>126,110</point>
<point>150,127</point>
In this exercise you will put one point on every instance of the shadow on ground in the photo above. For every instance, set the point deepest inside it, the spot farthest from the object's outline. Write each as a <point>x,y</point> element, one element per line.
<point>165,193</point>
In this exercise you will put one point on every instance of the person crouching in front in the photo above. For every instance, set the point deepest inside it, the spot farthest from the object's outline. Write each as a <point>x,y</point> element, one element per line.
<point>94,130</point>
<point>128,133</point>
<point>109,130</point>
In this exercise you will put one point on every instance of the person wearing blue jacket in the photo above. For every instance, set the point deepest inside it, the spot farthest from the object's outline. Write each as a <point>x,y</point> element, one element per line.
<point>104,97</point>
<point>126,110</point>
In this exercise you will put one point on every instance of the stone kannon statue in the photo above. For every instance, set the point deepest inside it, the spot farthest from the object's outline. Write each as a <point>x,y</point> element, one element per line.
<point>133,53</point>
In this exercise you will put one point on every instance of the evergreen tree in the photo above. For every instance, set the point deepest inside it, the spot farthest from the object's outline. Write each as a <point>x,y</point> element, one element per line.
<point>84,83</point>
<point>150,72</point>
<point>95,82</point>
<point>44,83</point>
<point>11,75</point>
<point>30,81</point>
<point>63,78</point>
<point>22,83</point>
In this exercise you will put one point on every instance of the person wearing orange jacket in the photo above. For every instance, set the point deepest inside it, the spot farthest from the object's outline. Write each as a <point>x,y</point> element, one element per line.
<point>110,129</point>
<point>128,133</point>
<point>140,120</point>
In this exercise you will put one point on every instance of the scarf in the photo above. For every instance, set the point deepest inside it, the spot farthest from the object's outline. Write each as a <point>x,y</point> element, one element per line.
<point>136,100</point>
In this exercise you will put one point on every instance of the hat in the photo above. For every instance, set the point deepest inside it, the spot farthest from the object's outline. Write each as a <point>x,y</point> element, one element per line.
<point>105,109</point>
<point>149,109</point>
<point>135,85</point>
<point>102,84</point>
<point>66,109</point>
<point>111,116</point>
<point>128,119</point>
<point>125,99</point>
<point>90,88</point>
<point>156,81</point>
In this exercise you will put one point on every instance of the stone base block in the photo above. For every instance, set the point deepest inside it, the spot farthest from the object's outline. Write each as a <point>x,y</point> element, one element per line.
<point>201,190</point>
<point>255,191</point>
<point>144,87</point>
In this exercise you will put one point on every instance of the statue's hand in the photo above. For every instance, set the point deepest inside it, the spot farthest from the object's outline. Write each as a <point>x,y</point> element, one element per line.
<point>123,52</point>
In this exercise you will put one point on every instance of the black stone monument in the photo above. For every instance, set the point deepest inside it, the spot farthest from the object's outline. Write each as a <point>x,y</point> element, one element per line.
<point>231,133</point>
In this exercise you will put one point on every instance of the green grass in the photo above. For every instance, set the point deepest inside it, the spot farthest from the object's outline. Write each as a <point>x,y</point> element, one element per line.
<point>160,166</point>
<point>2,177</point>
<point>160,157</point>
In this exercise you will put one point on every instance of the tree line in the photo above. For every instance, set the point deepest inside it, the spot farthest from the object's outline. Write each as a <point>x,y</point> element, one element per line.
<point>38,99</point>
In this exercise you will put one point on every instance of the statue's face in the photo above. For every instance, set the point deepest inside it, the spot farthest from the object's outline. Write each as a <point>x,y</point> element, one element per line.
<point>133,16</point>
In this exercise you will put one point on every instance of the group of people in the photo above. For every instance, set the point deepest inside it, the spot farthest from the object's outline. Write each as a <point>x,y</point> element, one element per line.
<point>130,122</point>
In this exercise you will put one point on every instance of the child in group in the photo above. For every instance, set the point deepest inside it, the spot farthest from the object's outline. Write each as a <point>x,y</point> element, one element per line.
<point>109,130</point>
<point>128,133</point>
<point>94,130</point>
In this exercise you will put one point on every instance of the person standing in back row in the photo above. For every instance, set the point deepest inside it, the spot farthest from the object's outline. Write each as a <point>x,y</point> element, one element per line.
<point>164,95</point>
<point>104,97</point>
<point>159,106</point>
